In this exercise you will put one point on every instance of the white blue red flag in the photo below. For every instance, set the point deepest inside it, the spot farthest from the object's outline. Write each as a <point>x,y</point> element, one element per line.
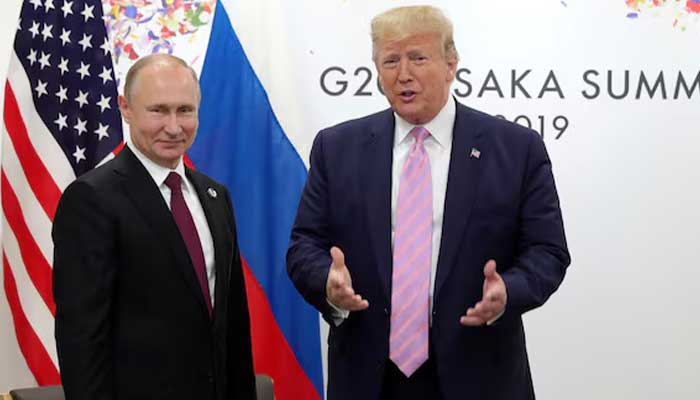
<point>61,119</point>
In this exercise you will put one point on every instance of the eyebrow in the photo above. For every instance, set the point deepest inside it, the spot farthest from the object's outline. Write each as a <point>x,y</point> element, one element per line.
<point>415,52</point>
<point>171,105</point>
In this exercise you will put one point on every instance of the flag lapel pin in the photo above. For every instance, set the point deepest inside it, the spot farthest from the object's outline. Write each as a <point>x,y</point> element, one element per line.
<point>475,153</point>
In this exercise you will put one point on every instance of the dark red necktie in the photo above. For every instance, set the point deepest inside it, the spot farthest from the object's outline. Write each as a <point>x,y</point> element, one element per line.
<point>188,231</point>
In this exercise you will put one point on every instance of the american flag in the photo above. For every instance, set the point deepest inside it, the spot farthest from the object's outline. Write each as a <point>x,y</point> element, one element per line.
<point>60,120</point>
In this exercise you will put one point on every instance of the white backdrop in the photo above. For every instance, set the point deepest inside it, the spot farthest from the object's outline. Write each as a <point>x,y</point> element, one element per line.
<point>623,324</point>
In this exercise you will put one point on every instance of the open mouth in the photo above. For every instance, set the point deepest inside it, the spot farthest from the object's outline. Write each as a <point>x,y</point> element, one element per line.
<point>407,95</point>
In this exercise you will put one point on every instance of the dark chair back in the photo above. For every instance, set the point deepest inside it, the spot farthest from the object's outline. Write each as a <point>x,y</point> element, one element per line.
<point>38,393</point>
<point>264,387</point>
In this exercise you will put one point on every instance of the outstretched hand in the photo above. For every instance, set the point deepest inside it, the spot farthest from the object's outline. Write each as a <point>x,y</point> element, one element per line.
<point>339,289</point>
<point>493,302</point>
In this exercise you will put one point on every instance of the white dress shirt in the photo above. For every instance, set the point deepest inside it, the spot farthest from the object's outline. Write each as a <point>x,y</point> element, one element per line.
<point>159,173</point>
<point>439,147</point>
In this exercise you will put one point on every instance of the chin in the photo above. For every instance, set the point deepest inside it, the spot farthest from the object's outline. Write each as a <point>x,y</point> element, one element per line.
<point>410,114</point>
<point>170,157</point>
<point>414,118</point>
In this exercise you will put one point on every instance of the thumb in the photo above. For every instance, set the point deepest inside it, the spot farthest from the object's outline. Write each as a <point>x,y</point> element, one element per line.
<point>338,258</point>
<point>490,270</point>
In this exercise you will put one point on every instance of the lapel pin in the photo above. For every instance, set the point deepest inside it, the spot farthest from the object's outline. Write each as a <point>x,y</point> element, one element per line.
<point>212,193</point>
<point>475,153</point>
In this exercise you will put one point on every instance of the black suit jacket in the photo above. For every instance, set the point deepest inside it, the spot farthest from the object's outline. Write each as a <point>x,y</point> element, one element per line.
<point>131,322</point>
<point>501,205</point>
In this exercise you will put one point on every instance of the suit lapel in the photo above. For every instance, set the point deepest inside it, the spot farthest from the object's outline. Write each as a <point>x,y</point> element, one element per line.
<point>375,166</point>
<point>147,198</point>
<point>462,186</point>
<point>214,206</point>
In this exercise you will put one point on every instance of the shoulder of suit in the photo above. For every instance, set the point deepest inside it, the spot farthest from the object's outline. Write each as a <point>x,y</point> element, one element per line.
<point>98,183</point>
<point>203,179</point>
<point>494,126</point>
<point>98,176</point>
<point>361,123</point>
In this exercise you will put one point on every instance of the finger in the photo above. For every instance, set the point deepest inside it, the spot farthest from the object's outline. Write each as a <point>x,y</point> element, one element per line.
<point>478,319</point>
<point>471,321</point>
<point>359,302</point>
<point>346,295</point>
<point>484,311</point>
<point>347,291</point>
<point>355,303</point>
<point>338,257</point>
<point>480,312</point>
<point>490,269</point>
<point>495,302</point>
<point>480,309</point>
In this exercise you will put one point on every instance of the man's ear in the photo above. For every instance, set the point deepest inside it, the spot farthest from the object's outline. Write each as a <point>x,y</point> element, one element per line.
<point>451,70</point>
<point>124,108</point>
<point>379,76</point>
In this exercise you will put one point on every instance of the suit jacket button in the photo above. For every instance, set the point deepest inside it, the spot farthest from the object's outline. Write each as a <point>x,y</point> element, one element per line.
<point>386,311</point>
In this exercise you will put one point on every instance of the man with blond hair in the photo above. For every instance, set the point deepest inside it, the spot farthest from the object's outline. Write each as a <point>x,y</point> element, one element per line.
<point>425,231</point>
<point>150,300</point>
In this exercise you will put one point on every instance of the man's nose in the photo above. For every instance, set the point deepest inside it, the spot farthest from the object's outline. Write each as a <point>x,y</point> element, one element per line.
<point>172,124</point>
<point>405,71</point>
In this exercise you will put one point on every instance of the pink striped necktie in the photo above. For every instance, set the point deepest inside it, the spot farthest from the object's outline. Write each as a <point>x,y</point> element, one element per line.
<point>408,341</point>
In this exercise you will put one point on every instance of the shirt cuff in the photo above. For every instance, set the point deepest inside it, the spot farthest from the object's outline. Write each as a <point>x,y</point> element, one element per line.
<point>338,315</point>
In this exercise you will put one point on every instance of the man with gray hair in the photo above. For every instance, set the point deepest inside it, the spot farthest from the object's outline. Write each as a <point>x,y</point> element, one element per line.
<point>425,231</point>
<point>147,277</point>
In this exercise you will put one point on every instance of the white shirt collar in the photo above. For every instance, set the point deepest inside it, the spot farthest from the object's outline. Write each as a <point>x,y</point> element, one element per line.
<point>158,172</point>
<point>440,127</point>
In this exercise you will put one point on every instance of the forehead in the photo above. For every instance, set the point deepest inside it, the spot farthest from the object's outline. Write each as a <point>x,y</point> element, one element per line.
<point>166,83</point>
<point>416,42</point>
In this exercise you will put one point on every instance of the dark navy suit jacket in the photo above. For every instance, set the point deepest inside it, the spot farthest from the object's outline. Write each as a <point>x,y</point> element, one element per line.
<point>501,205</point>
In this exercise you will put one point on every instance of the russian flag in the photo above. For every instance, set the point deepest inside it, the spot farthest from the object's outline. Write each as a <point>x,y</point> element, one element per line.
<point>242,144</point>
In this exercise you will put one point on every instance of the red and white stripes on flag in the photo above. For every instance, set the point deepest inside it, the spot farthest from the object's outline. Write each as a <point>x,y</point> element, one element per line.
<point>60,119</point>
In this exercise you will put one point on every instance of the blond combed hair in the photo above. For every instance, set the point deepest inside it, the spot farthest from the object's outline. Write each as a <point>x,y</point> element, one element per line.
<point>401,22</point>
<point>151,59</point>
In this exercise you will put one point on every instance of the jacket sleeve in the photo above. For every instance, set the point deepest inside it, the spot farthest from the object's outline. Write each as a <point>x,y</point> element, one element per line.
<point>308,257</point>
<point>542,254</point>
<point>84,270</point>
